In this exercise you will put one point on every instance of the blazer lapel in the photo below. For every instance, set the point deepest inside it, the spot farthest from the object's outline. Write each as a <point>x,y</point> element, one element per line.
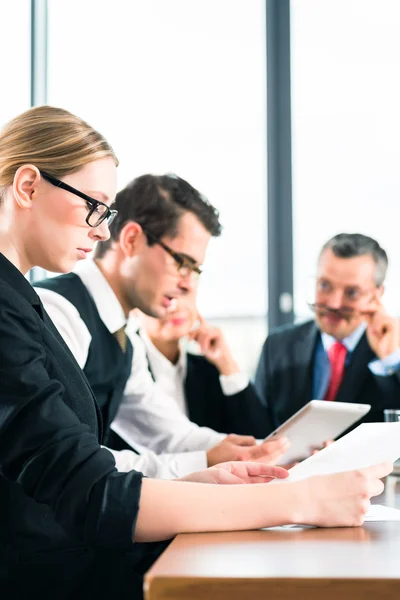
<point>193,385</point>
<point>302,372</point>
<point>80,374</point>
<point>356,372</point>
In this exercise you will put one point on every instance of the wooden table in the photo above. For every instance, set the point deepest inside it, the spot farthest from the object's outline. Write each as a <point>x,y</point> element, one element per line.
<point>305,564</point>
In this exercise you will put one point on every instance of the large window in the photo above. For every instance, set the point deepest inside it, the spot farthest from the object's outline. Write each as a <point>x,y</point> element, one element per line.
<point>346,130</point>
<point>15,58</point>
<point>179,87</point>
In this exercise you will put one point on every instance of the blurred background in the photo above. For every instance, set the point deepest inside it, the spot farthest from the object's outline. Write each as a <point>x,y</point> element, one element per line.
<point>285,114</point>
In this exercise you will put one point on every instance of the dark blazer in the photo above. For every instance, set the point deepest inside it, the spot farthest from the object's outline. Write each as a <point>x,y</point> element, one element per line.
<point>209,407</point>
<point>107,368</point>
<point>67,515</point>
<point>285,371</point>
<point>241,413</point>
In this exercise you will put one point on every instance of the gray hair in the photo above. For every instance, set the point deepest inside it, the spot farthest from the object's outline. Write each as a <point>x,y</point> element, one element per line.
<point>349,245</point>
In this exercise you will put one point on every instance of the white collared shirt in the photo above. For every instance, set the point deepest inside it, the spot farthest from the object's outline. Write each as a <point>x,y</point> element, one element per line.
<point>148,419</point>
<point>379,366</point>
<point>350,342</point>
<point>171,377</point>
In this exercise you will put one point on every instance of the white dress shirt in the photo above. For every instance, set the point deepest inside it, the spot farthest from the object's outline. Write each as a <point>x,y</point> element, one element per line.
<point>379,366</point>
<point>171,377</point>
<point>148,419</point>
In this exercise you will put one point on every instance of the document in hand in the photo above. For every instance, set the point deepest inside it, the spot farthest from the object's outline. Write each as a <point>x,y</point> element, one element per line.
<point>368,444</point>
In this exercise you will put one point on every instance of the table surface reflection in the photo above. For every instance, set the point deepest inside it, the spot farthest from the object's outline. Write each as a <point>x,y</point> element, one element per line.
<point>286,563</point>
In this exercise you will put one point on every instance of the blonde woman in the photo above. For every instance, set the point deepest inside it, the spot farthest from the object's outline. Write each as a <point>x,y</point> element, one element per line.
<point>71,525</point>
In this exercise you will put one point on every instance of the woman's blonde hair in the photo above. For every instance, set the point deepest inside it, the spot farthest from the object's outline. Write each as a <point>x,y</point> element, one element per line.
<point>52,139</point>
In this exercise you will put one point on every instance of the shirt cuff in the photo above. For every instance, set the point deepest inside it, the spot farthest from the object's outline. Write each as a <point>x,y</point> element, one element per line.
<point>386,366</point>
<point>160,466</point>
<point>184,463</point>
<point>233,384</point>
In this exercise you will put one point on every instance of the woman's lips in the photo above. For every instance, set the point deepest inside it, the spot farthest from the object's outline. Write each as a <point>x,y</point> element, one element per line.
<point>177,322</point>
<point>83,252</point>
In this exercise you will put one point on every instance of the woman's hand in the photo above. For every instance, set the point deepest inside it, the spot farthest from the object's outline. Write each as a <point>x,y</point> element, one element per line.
<point>340,499</point>
<point>237,472</point>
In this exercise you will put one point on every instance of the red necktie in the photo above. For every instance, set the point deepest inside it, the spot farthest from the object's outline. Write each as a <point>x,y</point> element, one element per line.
<point>337,357</point>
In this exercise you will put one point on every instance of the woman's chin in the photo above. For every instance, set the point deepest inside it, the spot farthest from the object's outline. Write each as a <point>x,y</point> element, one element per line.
<point>62,266</point>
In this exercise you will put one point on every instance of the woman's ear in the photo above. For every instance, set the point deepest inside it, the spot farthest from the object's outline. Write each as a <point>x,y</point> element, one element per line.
<point>131,239</point>
<point>26,180</point>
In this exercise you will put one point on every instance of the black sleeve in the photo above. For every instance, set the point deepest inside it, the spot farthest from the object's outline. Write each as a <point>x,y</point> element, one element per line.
<point>261,379</point>
<point>45,448</point>
<point>389,390</point>
<point>246,414</point>
<point>263,384</point>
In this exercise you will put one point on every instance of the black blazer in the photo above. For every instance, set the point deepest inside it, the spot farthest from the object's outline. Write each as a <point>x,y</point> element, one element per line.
<point>67,515</point>
<point>285,371</point>
<point>209,407</point>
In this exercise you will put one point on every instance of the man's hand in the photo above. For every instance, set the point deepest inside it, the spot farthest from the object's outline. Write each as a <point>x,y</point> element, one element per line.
<point>214,347</point>
<point>383,331</point>
<point>325,445</point>
<point>237,472</point>
<point>244,448</point>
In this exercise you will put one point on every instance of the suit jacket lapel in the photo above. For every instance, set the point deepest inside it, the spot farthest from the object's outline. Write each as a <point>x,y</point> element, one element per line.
<point>356,373</point>
<point>193,385</point>
<point>303,353</point>
<point>45,317</point>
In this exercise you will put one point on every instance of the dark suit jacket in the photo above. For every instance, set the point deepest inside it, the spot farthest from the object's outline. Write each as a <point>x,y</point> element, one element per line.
<point>67,515</point>
<point>285,371</point>
<point>209,407</point>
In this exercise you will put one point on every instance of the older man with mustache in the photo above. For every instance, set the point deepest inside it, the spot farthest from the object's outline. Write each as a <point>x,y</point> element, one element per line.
<point>351,351</point>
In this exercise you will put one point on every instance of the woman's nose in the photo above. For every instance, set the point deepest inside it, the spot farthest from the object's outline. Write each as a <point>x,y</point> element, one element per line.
<point>101,233</point>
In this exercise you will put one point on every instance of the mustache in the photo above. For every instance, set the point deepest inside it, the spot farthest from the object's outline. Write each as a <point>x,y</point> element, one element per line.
<point>344,312</point>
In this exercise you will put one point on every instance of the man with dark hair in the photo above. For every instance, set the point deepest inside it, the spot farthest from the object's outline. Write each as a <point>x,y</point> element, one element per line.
<point>350,352</point>
<point>157,203</point>
<point>158,242</point>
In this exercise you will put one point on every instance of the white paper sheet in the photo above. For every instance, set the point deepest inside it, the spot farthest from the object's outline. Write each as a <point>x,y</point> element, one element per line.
<point>368,444</point>
<point>379,512</point>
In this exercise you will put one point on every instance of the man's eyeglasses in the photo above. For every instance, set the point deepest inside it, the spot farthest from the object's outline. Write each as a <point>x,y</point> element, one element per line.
<point>184,265</point>
<point>351,294</point>
<point>98,211</point>
<point>345,312</point>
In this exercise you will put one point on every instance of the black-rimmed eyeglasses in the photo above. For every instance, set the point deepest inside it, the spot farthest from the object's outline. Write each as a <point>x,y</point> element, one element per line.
<point>98,211</point>
<point>184,265</point>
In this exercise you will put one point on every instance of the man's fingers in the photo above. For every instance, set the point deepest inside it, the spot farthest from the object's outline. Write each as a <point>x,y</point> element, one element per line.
<point>328,443</point>
<point>259,452</point>
<point>280,444</point>
<point>241,440</point>
<point>325,445</point>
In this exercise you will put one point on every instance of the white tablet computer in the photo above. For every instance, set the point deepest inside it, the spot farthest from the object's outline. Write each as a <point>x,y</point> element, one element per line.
<point>314,424</point>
